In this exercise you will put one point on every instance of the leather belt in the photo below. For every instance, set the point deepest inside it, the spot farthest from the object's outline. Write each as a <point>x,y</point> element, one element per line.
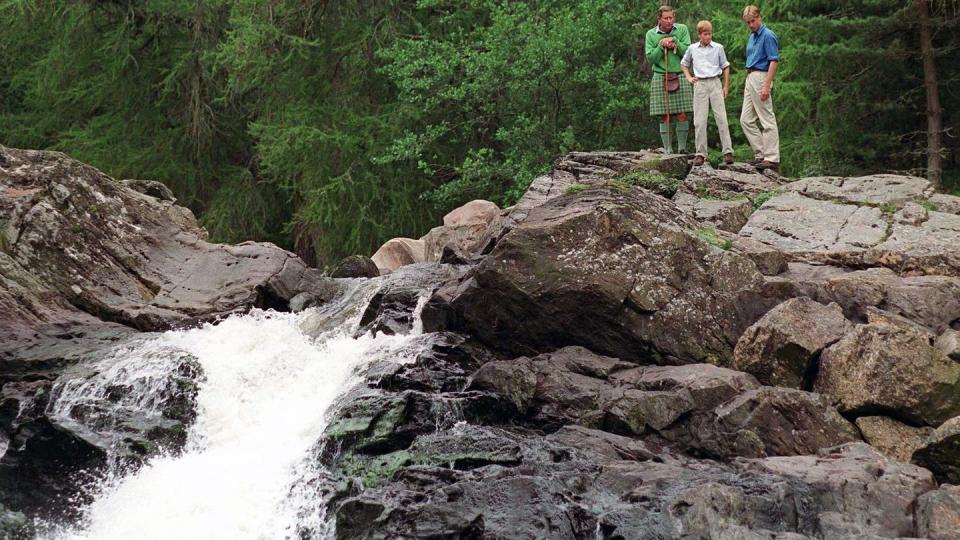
<point>751,70</point>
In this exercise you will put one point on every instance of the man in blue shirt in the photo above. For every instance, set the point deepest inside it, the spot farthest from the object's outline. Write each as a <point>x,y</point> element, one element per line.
<point>763,55</point>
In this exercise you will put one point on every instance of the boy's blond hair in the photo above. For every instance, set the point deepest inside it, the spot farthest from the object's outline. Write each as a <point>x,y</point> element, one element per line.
<point>751,12</point>
<point>704,26</point>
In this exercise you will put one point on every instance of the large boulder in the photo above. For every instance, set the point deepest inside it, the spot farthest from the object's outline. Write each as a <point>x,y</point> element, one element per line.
<point>892,369</point>
<point>725,214</point>
<point>128,257</point>
<point>894,439</point>
<point>355,266</point>
<point>877,189</point>
<point>398,252</point>
<point>782,348</point>
<point>655,287</point>
<point>474,212</point>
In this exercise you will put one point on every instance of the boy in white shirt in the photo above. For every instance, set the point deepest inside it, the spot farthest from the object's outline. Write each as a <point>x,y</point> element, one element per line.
<point>709,61</point>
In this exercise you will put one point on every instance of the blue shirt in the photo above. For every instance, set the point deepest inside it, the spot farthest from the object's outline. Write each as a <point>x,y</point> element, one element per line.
<point>762,48</point>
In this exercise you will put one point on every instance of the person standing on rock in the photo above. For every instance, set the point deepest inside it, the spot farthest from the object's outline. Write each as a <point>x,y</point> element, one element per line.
<point>664,45</point>
<point>708,61</point>
<point>763,56</point>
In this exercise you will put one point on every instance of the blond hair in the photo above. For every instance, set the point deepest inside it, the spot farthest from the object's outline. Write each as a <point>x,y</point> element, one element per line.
<point>751,12</point>
<point>704,26</point>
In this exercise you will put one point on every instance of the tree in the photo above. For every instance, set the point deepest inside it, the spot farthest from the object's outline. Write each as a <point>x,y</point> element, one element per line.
<point>934,111</point>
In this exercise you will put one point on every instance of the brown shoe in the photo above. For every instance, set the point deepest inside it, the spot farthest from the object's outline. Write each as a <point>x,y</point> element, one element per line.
<point>755,162</point>
<point>698,161</point>
<point>728,159</point>
<point>764,165</point>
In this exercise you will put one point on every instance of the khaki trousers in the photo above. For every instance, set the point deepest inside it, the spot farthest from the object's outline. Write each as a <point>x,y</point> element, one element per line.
<point>708,94</point>
<point>765,145</point>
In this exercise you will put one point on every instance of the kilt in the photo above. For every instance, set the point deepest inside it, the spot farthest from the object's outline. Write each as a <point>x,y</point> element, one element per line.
<point>680,101</point>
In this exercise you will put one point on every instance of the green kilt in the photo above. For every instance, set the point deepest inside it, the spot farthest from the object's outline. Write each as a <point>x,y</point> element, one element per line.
<point>680,101</point>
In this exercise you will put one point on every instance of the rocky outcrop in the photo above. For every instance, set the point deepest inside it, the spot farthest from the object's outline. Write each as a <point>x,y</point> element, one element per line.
<point>894,439</point>
<point>938,514</point>
<point>656,289</point>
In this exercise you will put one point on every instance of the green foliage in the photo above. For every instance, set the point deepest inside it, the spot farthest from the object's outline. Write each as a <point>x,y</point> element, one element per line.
<point>576,187</point>
<point>763,197</point>
<point>653,180</point>
<point>709,235</point>
<point>329,127</point>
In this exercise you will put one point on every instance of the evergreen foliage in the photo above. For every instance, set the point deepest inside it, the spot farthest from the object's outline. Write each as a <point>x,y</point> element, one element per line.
<point>329,126</point>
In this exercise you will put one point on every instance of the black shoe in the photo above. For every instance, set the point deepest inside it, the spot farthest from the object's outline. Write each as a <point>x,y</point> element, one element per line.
<point>765,165</point>
<point>755,162</point>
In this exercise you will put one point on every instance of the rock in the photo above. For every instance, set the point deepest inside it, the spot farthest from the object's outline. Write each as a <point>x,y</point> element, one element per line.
<point>726,215</point>
<point>395,307</point>
<point>593,168</point>
<point>894,439</point>
<point>731,182</point>
<point>468,238</point>
<point>474,212</point>
<point>927,249</point>
<point>630,259</point>
<point>940,452</point>
<point>152,188</point>
<point>911,214</point>
<point>125,257</point>
<point>398,252</point>
<point>769,261</point>
<point>796,224</point>
<point>775,422</point>
<point>949,344</point>
<point>893,370</point>
<point>941,202</point>
<point>938,514</point>
<point>356,266</point>
<point>853,490</point>
<point>782,348</point>
<point>875,189</point>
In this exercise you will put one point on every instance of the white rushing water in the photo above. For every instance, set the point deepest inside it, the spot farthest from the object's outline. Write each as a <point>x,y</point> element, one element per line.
<point>262,406</point>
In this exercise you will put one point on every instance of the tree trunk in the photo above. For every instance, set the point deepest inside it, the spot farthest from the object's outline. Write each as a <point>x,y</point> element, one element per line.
<point>934,111</point>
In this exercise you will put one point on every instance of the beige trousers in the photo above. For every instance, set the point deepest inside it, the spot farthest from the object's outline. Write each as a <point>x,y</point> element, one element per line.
<point>765,145</point>
<point>708,94</point>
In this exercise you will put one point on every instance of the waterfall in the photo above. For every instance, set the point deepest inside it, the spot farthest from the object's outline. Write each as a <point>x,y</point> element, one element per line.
<point>262,403</point>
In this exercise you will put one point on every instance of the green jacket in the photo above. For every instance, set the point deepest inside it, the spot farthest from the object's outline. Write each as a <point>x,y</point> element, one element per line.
<point>654,51</point>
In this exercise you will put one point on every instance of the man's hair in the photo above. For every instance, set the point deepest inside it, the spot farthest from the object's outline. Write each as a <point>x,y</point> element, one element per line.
<point>662,10</point>
<point>751,12</point>
<point>704,26</point>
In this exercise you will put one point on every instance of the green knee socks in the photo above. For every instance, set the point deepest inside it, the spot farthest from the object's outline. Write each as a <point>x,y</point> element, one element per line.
<point>683,129</point>
<point>665,137</point>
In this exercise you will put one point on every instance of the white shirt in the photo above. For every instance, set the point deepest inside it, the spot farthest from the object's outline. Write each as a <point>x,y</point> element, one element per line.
<point>708,61</point>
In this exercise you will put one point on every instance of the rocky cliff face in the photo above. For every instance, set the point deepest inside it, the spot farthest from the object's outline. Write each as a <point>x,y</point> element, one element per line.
<point>634,350</point>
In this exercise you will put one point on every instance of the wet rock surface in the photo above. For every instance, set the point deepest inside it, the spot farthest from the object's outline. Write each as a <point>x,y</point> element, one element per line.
<point>579,374</point>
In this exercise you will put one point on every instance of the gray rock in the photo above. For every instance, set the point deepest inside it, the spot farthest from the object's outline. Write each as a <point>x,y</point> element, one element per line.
<point>949,344</point>
<point>131,258</point>
<point>875,189</point>
<point>726,215</point>
<point>731,182</point>
<point>154,189</point>
<point>894,439</point>
<point>942,202</point>
<point>782,348</point>
<point>927,249</point>
<point>800,225</point>
<point>940,452</point>
<point>938,514</point>
<point>632,260</point>
<point>467,238</point>
<point>770,261</point>
<point>855,491</point>
<point>891,369</point>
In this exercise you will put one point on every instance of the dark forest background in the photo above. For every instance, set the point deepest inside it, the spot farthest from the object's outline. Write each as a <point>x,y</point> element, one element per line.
<point>329,126</point>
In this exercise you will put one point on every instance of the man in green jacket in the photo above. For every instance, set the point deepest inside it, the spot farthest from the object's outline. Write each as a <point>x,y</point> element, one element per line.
<point>672,39</point>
